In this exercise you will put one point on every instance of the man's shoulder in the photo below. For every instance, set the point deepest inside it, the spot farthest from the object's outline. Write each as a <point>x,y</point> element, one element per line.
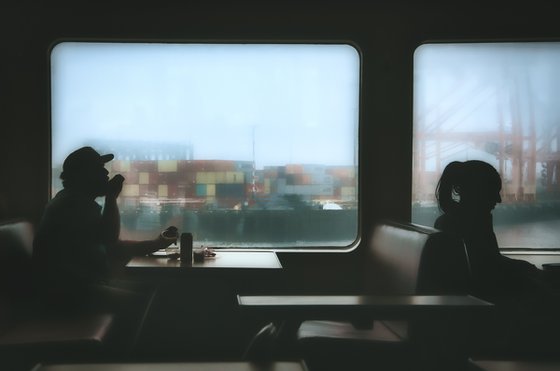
<point>67,205</point>
<point>67,198</point>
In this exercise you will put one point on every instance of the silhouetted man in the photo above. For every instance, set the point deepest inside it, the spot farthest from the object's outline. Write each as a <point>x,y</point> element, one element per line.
<point>77,237</point>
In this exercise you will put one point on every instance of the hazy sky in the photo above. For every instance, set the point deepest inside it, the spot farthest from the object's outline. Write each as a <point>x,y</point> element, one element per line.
<point>299,101</point>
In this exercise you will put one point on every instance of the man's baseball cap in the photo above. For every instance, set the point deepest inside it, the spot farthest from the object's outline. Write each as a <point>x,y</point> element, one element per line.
<point>83,160</point>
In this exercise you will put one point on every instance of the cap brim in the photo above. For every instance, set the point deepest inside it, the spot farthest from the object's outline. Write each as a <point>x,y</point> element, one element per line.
<point>106,158</point>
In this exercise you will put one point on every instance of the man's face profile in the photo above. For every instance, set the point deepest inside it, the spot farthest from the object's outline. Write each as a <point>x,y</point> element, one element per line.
<point>99,178</point>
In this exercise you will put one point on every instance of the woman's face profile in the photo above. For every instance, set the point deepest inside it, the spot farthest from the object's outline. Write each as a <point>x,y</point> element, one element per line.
<point>482,194</point>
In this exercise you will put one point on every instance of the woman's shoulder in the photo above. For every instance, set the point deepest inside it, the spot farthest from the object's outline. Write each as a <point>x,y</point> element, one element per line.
<point>446,223</point>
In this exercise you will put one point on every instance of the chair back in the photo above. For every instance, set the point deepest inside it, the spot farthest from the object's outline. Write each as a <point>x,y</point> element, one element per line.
<point>410,259</point>
<point>16,249</point>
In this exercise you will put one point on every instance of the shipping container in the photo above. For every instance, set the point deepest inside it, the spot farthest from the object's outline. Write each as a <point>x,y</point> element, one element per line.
<point>220,177</point>
<point>167,178</point>
<point>294,169</point>
<point>200,190</point>
<point>290,179</point>
<point>321,179</point>
<point>230,190</point>
<point>210,189</point>
<point>143,178</point>
<point>167,166</point>
<point>131,177</point>
<point>258,189</point>
<point>243,166</point>
<point>309,190</point>
<point>162,178</point>
<point>211,177</point>
<point>130,190</point>
<point>271,172</point>
<point>202,177</point>
<point>224,165</point>
<point>341,171</point>
<point>298,179</point>
<point>194,166</point>
<point>234,177</point>
<point>144,166</point>
<point>143,190</point>
<point>177,178</point>
<point>163,190</point>
<point>186,190</point>
<point>186,165</point>
<point>153,190</point>
<point>211,201</point>
<point>259,174</point>
<point>306,179</point>
<point>154,178</point>
<point>172,191</point>
<point>347,191</point>
<point>347,182</point>
<point>148,190</point>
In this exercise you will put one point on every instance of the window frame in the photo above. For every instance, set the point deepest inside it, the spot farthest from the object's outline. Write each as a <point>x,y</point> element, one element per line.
<point>357,151</point>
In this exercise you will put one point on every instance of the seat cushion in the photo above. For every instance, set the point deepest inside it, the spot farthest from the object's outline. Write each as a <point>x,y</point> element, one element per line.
<point>346,331</point>
<point>333,345</point>
<point>84,331</point>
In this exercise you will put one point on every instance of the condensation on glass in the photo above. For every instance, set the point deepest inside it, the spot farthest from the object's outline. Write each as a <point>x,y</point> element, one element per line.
<point>243,145</point>
<point>496,102</point>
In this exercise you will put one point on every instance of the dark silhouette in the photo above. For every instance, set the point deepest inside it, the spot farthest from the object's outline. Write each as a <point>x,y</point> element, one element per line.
<point>77,240</point>
<point>526,304</point>
<point>467,193</point>
<point>77,237</point>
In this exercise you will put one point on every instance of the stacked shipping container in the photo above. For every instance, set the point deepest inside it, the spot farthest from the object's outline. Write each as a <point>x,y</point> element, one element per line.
<point>227,184</point>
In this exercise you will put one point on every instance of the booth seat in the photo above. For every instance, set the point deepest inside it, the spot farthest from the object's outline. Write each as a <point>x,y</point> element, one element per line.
<point>28,333</point>
<point>401,259</point>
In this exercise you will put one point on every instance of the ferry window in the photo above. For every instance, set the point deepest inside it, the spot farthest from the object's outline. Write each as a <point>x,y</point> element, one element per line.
<point>243,145</point>
<point>495,102</point>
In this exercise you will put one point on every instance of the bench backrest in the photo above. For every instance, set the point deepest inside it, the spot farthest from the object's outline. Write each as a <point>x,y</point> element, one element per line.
<point>408,259</point>
<point>16,249</point>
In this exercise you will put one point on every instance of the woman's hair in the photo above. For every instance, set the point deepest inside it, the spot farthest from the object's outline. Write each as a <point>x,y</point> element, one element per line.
<point>458,177</point>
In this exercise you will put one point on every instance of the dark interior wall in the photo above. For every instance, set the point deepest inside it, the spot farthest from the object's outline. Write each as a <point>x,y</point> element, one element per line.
<point>386,33</point>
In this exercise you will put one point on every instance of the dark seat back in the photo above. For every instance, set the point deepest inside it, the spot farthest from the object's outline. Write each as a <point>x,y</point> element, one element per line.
<point>393,259</point>
<point>16,248</point>
<point>409,259</point>
<point>16,280</point>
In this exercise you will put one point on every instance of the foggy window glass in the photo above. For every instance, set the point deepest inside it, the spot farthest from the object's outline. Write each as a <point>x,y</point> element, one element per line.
<point>243,145</point>
<point>495,102</point>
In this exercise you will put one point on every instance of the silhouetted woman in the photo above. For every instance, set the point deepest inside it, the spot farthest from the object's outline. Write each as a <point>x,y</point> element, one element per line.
<point>526,309</point>
<point>467,193</point>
